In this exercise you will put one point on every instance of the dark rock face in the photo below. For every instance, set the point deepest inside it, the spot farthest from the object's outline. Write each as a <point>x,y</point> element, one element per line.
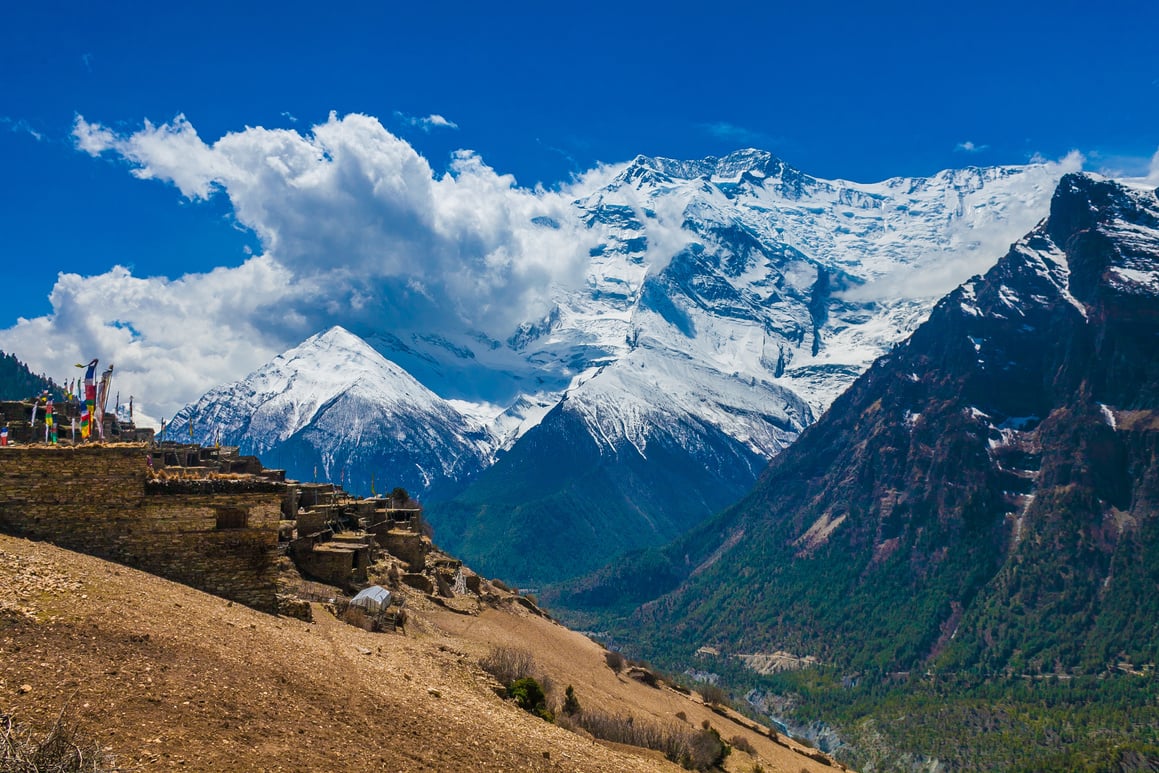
<point>987,495</point>
<point>558,505</point>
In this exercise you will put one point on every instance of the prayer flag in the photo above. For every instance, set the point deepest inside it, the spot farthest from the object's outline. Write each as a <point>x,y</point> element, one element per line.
<point>86,417</point>
<point>102,400</point>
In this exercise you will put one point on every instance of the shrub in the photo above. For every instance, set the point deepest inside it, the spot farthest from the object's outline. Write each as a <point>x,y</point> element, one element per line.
<point>500,585</point>
<point>682,716</point>
<point>528,695</point>
<point>706,750</point>
<point>571,705</point>
<point>64,749</point>
<point>742,743</point>
<point>614,660</point>
<point>508,664</point>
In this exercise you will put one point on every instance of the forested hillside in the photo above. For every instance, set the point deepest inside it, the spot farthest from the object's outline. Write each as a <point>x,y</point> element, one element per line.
<point>17,381</point>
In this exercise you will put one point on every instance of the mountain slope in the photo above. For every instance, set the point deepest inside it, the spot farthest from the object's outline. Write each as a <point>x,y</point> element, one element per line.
<point>984,496</point>
<point>335,405</point>
<point>186,679</point>
<point>967,542</point>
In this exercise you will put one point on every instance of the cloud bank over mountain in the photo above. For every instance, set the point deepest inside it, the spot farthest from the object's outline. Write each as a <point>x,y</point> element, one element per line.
<point>356,229</point>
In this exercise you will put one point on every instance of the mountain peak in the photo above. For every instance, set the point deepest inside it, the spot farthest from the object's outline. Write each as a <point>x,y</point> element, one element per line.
<point>338,337</point>
<point>757,164</point>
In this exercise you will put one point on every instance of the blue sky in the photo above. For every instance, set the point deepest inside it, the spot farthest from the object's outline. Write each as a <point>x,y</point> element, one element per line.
<point>543,92</point>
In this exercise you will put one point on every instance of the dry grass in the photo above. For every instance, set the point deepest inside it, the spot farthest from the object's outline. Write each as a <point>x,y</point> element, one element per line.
<point>507,664</point>
<point>183,680</point>
<point>176,679</point>
<point>63,749</point>
<point>693,749</point>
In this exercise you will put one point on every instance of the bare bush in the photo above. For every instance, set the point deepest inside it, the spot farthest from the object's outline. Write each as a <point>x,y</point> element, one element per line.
<point>507,664</point>
<point>693,749</point>
<point>614,660</point>
<point>705,750</point>
<point>713,695</point>
<point>63,749</point>
<point>670,740</point>
<point>742,743</point>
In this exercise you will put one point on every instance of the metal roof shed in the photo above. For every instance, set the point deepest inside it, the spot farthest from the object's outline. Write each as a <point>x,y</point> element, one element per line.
<point>373,599</point>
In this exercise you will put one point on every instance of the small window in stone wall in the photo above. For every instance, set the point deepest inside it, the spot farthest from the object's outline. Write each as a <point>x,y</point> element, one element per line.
<point>231,517</point>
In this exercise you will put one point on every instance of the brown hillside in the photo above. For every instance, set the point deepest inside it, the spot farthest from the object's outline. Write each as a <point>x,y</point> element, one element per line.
<point>164,676</point>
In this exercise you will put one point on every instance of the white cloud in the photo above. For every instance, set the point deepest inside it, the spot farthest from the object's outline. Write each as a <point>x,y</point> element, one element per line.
<point>171,152</point>
<point>169,339</point>
<point>93,139</point>
<point>356,229</point>
<point>970,147</point>
<point>432,121</point>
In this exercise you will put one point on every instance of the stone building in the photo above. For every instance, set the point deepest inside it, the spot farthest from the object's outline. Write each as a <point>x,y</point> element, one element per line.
<point>218,534</point>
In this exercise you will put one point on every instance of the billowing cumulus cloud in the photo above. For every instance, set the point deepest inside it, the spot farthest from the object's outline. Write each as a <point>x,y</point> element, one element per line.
<point>356,229</point>
<point>169,339</point>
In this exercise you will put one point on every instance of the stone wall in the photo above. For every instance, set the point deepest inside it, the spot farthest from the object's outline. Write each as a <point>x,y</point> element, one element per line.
<point>218,535</point>
<point>331,564</point>
<point>407,545</point>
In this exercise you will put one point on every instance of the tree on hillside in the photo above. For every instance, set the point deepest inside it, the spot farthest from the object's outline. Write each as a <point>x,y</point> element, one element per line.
<point>17,382</point>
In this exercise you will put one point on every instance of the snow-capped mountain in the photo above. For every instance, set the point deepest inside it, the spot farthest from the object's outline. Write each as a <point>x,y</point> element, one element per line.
<point>726,303</point>
<point>742,264</point>
<point>336,406</point>
<point>982,499</point>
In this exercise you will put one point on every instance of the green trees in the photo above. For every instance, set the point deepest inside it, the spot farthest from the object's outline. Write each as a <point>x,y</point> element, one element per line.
<point>529,696</point>
<point>17,382</point>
